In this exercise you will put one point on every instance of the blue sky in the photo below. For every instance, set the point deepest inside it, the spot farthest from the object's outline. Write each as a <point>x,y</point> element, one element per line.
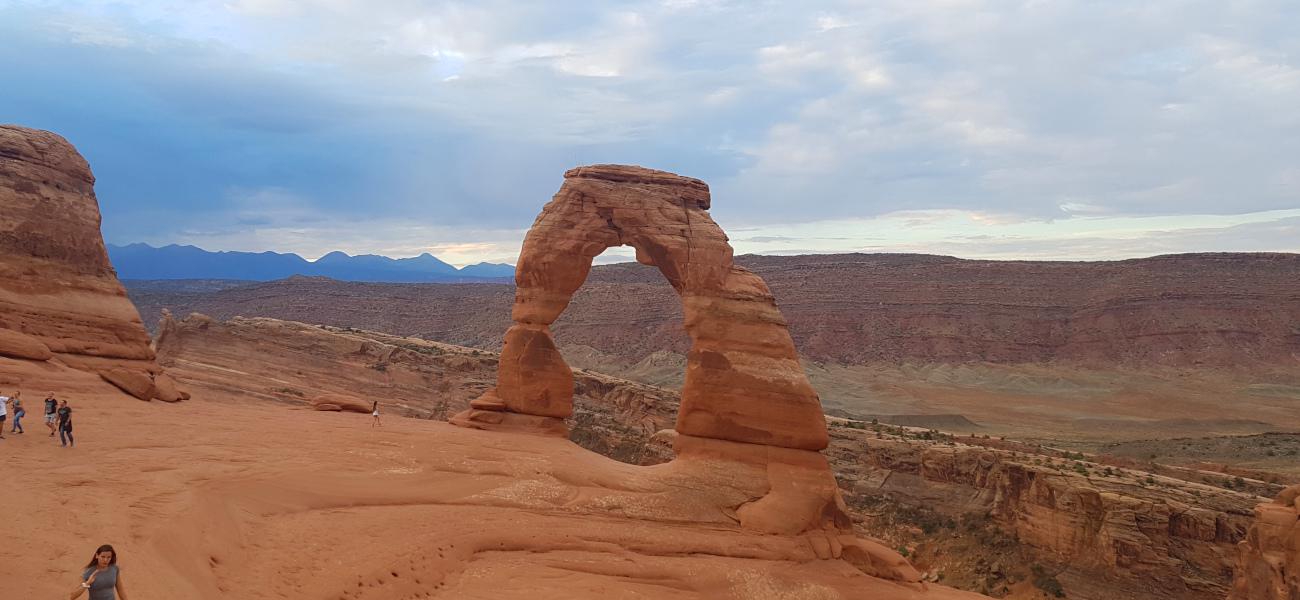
<point>1031,129</point>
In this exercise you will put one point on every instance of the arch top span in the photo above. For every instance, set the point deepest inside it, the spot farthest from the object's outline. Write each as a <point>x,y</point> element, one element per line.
<point>743,379</point>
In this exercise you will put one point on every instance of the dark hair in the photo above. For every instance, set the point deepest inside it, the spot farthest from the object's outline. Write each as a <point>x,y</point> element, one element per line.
<point>94,560</point>
<point>375,407</point>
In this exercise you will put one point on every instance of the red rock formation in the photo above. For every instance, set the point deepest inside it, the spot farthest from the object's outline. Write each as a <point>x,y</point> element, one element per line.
<point>59,296</point>
<point>1268,560</point>
<point>747,408</point>
<point>743,378</point>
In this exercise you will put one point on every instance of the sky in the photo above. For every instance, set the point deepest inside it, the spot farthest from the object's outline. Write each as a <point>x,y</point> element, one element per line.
<point>1034,129</point>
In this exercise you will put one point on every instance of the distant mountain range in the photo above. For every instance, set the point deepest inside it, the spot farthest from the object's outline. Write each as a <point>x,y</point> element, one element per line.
<point>142,261</point>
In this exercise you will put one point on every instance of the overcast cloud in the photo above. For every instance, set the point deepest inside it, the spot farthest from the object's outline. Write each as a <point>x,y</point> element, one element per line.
<point>1092,129</point>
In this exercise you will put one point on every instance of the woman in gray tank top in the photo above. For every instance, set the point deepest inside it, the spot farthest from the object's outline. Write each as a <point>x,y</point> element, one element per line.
<point>102,577</point>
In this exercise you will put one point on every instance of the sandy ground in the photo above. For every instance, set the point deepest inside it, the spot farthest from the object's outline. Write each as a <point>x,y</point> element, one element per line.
<point>211,498</point>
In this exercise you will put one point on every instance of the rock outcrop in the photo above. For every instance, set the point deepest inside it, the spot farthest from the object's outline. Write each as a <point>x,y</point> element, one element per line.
<point>743,378</point>
<point>1120,533</point>
<point>746,406</point>
<point>59,296</point>
<point>1268,560</point>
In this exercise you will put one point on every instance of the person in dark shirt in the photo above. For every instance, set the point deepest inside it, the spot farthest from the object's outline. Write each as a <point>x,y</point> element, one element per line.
<point>51,412</point>
<point>65,424</point>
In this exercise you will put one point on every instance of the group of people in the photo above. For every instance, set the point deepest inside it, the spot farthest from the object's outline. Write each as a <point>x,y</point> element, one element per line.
<point>58,416</point>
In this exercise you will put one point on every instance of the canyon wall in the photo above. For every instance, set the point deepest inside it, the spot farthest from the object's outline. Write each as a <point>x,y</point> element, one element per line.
<point>1114,532</point>
<point>1233,311</point>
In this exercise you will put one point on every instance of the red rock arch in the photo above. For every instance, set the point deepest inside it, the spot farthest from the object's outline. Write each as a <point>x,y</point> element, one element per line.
<point>743,382</point>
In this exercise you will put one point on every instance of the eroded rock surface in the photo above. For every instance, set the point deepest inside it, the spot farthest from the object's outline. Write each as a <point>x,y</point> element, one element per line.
<point>59,296</point>
<point>1116,533</point>
<point>1268,560</point>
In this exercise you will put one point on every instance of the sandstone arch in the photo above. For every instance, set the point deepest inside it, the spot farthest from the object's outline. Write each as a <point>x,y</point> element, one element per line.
<point>743,382</point>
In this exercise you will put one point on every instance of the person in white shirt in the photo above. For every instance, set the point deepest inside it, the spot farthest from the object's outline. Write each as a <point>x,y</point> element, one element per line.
<point>4,414</point>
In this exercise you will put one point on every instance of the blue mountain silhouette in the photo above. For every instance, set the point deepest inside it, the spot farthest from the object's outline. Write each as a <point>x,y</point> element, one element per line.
<point>142,261</point>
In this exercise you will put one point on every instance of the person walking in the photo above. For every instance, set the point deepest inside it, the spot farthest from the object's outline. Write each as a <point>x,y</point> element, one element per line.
<point>4,414</point>
<point>65,424</point>
<point>102,577</point>
<point>19,412</point>
<point>374,412</point>
<point>51,412</point>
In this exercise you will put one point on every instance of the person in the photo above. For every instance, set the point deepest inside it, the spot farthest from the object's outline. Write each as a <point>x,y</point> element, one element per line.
<point>102,577</point>
<point>4,413</point>
<point>65,424</point>
<point>51,412</point>
<point>374,412</point>
<point>19,412</point>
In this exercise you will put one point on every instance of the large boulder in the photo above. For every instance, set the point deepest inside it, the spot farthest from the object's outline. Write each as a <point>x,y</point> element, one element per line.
<point>14,344</point>
<point>340,402</point>
<point>137,383</point>
<point>167,390</point>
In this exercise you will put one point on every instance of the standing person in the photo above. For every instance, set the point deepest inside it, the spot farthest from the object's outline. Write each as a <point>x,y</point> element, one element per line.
<point>51,412</point>
<point>65,424</point>
<point>374,412</point>
<point>4,413</point>
<point>19,413</point>
<point>102,577</point>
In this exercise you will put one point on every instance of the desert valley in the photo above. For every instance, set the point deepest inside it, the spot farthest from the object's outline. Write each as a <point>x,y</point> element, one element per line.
<point>802,427</point>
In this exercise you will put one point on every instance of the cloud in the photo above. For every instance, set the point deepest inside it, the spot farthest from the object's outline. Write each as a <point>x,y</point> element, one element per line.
<point>460,114</point>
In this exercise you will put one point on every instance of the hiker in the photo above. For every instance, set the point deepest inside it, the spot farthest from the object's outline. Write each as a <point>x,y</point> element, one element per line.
<point>374,412</point>
<point>19,413</point>
<point>65,424</point>
<point>51,412</point>
<point>102,577</point>
<point>4,413</point>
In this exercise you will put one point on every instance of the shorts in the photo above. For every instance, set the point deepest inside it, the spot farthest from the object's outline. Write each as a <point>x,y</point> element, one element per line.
<point>3,417</point>
<point>376,413</point>
<point>50,418</point>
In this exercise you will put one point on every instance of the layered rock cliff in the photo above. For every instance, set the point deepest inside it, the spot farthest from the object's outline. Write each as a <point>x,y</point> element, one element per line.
<point>1210,310</point>
<point>1111,532</point>
<point>59,296</point>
